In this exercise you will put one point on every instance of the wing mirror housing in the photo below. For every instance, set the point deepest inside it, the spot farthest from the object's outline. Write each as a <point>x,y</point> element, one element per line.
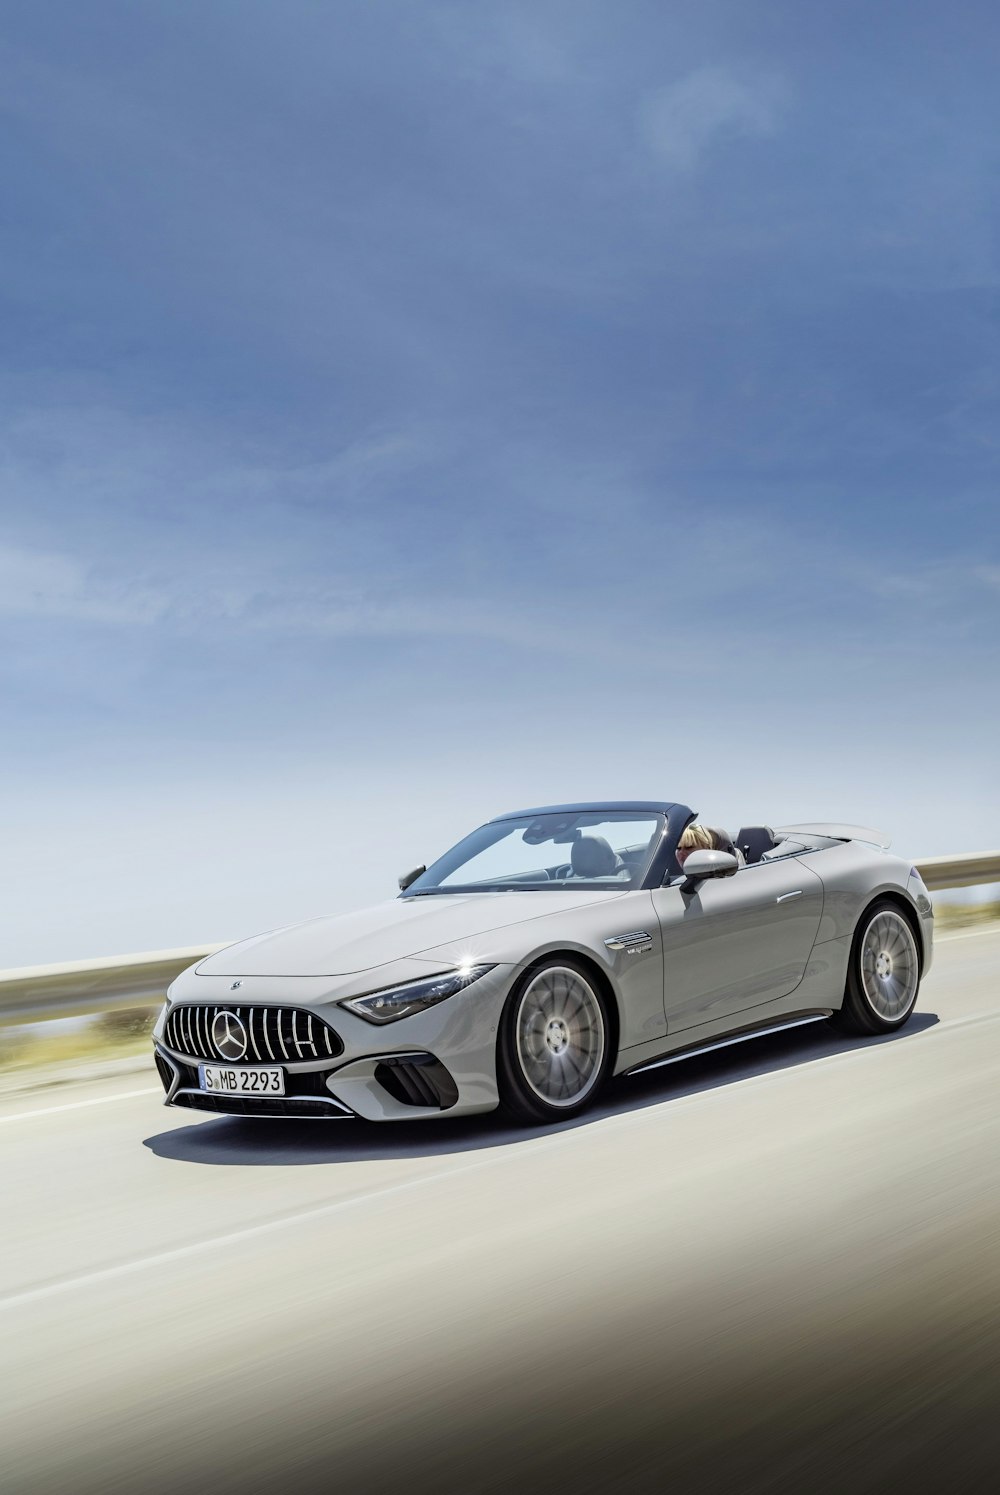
<point>408,877</point>
<point>701,864</point>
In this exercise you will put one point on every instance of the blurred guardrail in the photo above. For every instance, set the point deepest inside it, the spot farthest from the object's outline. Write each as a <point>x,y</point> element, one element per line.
<point>967,871</point>
<point>77,988</point>
<point>80,987</point>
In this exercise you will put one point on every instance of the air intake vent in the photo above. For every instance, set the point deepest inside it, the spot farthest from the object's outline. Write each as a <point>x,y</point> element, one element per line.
<point>273,1035</point>
<point>417,1080</point>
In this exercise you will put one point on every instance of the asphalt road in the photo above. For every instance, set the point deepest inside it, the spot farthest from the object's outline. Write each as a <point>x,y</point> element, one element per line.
<point>775,1268</point>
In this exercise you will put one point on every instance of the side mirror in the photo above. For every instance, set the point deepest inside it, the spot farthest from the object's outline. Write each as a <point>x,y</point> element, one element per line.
<point>701,864</point>
<point>408,877</point>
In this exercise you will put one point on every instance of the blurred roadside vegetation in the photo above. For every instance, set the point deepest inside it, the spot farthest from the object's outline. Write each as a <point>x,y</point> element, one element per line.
<point>107,1035</point>
<point>964,915</point>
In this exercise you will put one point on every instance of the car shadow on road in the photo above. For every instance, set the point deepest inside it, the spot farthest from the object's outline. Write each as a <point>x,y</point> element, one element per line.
<point>241,1142</point>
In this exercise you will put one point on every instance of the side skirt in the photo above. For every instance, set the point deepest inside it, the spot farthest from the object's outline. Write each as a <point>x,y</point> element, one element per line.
<point>730,1038</point>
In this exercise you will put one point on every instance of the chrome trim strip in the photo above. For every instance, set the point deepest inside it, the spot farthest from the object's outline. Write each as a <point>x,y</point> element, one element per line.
<point>308,1100</point>
<point>309,1066</point>
<point>724,1043</point>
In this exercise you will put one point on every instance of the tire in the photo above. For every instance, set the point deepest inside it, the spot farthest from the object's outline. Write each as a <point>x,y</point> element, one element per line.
<point>883,977</point>
<point>555,1042</point>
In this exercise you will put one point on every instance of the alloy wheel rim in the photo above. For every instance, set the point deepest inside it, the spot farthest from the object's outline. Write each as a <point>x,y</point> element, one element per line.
<point>560,1036</point>
<point>889,966</point>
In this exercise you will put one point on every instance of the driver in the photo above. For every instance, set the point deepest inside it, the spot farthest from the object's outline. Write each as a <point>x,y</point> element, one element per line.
<point>695,838</point>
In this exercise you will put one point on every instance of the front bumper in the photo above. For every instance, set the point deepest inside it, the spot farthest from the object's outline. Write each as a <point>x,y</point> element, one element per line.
<point>305,1093</point>
<point>441,1062</point>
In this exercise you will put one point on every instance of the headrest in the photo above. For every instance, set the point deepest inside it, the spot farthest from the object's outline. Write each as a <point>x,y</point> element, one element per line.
<point>592,856</point>
<point>723,840</point>
<point>754,840</point>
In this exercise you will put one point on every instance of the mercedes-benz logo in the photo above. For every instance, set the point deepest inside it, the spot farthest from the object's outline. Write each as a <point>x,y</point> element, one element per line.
<point>229,1035</point>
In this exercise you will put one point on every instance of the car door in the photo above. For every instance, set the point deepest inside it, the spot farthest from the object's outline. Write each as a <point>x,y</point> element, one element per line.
<point>737,941</point>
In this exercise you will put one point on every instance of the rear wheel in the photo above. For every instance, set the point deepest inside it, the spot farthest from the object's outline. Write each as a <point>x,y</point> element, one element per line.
<point>554,1047</point>
<point>884,974</point>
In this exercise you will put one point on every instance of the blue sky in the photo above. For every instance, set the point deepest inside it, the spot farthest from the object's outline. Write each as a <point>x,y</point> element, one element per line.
<point>413,410</point>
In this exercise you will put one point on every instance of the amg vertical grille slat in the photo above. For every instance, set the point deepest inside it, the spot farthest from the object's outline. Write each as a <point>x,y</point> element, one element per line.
<point>273,1034</point>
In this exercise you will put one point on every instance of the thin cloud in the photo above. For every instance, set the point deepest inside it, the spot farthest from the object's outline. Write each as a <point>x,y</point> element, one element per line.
<point>47,584</point>
<point>683,122</point>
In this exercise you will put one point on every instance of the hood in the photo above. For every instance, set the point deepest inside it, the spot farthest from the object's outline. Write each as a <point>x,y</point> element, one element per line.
<point>346,944</point>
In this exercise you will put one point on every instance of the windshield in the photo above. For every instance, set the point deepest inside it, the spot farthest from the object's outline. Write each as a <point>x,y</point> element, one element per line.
<point>593,849</point>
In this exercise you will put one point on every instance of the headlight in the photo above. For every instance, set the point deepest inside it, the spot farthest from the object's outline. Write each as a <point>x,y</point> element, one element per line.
<point>415,996</point>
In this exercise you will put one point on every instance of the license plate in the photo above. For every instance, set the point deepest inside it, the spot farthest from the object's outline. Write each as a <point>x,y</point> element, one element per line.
<point>242,1081</point>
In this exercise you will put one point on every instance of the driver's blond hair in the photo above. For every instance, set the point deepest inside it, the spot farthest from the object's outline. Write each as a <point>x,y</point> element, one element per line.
<point>697,838</point>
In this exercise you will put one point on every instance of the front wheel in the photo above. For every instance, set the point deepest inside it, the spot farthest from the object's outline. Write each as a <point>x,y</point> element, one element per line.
<point>554,1047</point>
<point>884,974</point>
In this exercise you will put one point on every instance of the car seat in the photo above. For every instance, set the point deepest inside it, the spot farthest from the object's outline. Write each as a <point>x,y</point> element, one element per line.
<point>593,856</point>
<point>754,840</point>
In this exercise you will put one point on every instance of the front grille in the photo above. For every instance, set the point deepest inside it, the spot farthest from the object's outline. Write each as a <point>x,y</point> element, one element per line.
<point>274,1034</point>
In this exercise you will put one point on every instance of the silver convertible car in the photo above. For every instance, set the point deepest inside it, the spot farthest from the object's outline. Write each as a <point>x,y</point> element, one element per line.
<point>550,949</point>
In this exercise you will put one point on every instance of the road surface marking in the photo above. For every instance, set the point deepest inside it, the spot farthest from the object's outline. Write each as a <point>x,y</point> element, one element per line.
<point>77,1105</point>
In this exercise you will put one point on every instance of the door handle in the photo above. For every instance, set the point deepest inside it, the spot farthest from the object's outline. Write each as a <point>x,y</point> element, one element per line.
<point>786,896</point>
